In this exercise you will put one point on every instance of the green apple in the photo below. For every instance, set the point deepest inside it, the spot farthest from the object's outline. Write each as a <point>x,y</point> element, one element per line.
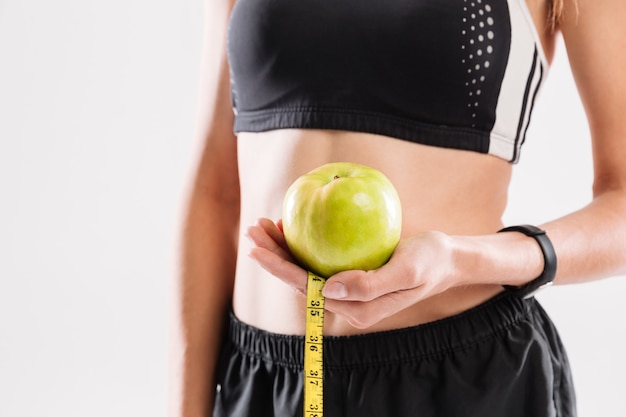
<point>342,216</point>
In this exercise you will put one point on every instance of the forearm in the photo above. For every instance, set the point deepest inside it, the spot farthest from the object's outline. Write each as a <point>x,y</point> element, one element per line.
<point>203,294</point>
<point>590,244</point>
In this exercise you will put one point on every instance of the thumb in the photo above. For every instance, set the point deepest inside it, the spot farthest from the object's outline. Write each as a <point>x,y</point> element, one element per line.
<point>353,285</point>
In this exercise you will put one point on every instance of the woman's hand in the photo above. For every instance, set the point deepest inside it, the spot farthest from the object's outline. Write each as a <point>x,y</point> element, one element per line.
<point>420,267</point>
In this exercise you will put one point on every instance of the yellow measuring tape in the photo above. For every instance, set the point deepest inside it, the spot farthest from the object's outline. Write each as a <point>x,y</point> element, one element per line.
<point>314,348</point>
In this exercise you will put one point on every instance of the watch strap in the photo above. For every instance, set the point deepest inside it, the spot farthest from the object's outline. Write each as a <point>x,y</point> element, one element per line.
<point>549,261</point>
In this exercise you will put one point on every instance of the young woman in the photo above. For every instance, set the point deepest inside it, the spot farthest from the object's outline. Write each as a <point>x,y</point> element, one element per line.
<point>437,95</point>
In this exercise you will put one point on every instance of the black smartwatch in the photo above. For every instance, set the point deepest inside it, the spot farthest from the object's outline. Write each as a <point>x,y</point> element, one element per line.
<point>549,261</point>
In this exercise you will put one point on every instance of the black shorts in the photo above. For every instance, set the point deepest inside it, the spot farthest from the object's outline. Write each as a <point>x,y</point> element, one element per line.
<point>503,358</point>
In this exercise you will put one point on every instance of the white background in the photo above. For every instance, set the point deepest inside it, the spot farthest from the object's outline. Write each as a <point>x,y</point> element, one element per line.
<point>97,103</point>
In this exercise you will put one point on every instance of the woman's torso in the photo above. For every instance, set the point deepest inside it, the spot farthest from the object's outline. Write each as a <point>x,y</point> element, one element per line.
<point>453,191</point>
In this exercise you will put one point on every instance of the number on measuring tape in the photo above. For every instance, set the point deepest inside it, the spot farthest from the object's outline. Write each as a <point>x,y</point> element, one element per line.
<point>314,349</point>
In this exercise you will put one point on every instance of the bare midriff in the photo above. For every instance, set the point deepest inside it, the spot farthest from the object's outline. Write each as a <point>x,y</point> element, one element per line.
<point>453,191</point>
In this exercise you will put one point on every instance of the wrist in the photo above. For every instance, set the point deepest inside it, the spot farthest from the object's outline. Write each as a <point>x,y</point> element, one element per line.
<point>549,261</point>
<point>512,259</point>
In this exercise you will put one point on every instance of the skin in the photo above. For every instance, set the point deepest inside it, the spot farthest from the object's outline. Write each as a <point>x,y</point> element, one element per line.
<point>449,259</point>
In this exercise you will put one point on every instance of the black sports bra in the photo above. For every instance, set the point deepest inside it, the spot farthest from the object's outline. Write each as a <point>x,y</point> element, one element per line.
<point>459,74</point>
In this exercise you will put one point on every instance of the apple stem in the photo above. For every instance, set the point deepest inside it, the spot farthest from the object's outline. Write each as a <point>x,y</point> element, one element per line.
<point>336,177</point>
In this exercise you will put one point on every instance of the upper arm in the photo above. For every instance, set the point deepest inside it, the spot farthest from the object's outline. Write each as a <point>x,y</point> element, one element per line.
<point>216,143</point>
<point>595,38</point>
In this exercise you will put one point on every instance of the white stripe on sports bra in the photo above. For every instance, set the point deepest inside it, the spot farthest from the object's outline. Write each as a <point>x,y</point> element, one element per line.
<point>526,60</point>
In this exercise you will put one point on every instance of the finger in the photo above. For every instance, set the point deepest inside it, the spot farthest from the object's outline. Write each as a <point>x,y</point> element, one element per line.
<point>274,230</point>
<point>281,268</point>
<point>262,239</point>
<point>363,315</point>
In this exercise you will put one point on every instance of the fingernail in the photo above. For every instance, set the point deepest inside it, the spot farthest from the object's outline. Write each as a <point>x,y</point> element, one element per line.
<point>335,290</point>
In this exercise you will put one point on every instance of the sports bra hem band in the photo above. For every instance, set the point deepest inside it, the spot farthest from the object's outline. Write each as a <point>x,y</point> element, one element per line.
<point>462,138</point>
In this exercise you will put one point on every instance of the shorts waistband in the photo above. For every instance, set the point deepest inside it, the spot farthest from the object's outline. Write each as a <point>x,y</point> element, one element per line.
<point>422,342</point>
